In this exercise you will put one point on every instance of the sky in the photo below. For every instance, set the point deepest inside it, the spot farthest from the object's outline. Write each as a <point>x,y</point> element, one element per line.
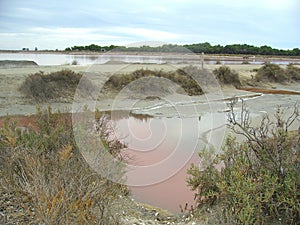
<point>60,24</point>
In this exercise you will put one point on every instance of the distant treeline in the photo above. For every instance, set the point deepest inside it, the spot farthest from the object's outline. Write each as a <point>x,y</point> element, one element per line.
<point>206,47</point>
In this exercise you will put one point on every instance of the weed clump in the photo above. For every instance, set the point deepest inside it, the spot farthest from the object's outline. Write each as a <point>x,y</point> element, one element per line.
<point>56,86</point>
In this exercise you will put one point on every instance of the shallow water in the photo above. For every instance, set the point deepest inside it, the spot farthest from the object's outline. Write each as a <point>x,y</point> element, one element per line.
<point>160,150</point>
<point>61,59</point>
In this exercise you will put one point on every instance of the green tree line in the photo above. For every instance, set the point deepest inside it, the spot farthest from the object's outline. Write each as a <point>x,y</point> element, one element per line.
<point>206,47</point>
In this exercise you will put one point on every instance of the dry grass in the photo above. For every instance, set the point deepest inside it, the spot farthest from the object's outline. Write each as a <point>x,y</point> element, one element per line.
<point>45,179</point>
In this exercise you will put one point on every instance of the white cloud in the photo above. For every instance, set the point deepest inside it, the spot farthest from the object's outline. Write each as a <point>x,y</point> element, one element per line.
<point>149,34</point>
<point>55,38</point>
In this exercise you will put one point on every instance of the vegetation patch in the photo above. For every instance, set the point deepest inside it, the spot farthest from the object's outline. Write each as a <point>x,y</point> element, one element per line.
<point>259,178</point>
<point>271,73</point>
<point>274,73</point>
<point>44,178</point>
<point>227,76</point>
<point>154,81</point>
<point>293,72</point>
<point>55,86</point>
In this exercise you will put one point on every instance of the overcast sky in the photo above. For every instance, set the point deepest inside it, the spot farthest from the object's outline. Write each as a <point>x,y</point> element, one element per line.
<point>60,24</point>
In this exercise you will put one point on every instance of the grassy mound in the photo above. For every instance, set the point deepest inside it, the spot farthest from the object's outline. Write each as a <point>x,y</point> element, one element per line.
<point>55,86</point>
<point>227,76</point>
<point>157,85</point>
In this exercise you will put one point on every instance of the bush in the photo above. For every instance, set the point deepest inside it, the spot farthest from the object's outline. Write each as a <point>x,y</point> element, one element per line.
<point>74,62</point>
<point>271,73</point>
<point>227,76</point>
<point>180,77</point>
<point>259,182</point>
<point>48,178</point>
<point>292,72</point>
<point>55,86</point>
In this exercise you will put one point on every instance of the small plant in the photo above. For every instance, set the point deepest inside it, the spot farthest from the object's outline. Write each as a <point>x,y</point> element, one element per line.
<point>227,76</point>
<point>245,62</point>
<point>75,62</point>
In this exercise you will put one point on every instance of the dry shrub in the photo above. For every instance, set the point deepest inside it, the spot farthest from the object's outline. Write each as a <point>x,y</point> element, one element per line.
<point>274,73</point>
<point>227,76</point>
<point>118,81</point>
<point>293,72</point>
<point>271,73</point>
<point>55,86</point>
<point>55,183</point>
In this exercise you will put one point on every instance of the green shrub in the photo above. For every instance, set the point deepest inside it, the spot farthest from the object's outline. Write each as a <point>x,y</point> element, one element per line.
<point>227,76</point>
<point>259,182</point>
<point>271,73</point>
<point>55,86</point>
<point>48,177</point>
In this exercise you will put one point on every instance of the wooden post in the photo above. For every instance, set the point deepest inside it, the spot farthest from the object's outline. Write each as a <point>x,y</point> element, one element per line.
<point>202,60</point>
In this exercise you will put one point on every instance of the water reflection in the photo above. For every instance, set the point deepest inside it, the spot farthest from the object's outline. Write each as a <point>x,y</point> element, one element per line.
<point>46,59</point>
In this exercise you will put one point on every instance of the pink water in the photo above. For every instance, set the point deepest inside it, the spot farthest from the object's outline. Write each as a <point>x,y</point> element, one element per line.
<point>160,150</point>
